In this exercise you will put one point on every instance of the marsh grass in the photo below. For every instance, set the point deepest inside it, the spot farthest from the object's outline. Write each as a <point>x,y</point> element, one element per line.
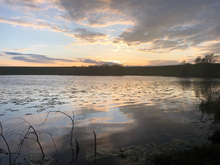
<point>24,137</point>
<point>29,134</point>
<point>94,145</point>
<point>211,105</point>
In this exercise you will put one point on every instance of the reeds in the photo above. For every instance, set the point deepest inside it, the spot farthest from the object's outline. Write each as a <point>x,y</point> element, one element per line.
<point>211,105</point>
<point>94,145</point>
<point>5,141</point>
<point>26,135</point>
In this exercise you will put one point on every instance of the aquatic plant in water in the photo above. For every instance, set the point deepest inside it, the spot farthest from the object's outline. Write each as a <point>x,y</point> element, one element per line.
<point>211,105</point>
<point>32,134</point>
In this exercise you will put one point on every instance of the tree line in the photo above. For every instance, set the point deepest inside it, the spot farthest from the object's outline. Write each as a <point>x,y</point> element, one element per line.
<point>207,59</point>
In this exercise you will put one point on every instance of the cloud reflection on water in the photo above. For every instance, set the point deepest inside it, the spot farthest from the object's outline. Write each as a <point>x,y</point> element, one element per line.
<point>123,111</point>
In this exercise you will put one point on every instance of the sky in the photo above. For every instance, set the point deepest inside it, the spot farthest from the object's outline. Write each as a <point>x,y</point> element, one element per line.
<point>94,32</point>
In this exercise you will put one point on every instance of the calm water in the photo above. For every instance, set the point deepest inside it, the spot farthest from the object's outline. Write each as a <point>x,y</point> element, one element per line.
<point>122,110</point>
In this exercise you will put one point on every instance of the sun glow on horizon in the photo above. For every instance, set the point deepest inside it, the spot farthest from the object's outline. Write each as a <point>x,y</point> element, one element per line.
<point>68,33</point>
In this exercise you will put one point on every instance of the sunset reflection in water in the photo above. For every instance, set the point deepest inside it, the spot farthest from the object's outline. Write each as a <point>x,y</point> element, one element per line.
<point>122,110</point>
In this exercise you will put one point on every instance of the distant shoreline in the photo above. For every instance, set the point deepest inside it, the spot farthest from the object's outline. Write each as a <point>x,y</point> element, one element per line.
<point>188,70</point>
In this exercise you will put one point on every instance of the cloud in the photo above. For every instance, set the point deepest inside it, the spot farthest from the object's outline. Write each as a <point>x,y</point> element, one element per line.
<point>32,60</point>
<point>209,34</point>
<point>41,25</point>
<point>88,36</point>
<point>97,62</point>
<point>210,48</point>
<point>25,4</point>
<point>23,49</point>
<point>164,25</point>
<point>36,58</point>
<point>163,46</point>
<point>101,19</point>
<point>82,34</point>
<point>30,5</point>
<point>89,61</point>
<point>79,10</point>
<point>93,12</point>
<point>163,62</point>
<point>190,22</point>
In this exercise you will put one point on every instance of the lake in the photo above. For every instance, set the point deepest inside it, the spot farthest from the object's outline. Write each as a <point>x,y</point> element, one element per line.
<point>123,111</point>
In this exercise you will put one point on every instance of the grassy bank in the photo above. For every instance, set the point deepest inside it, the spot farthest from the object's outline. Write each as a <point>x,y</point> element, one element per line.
<point>188,70</point>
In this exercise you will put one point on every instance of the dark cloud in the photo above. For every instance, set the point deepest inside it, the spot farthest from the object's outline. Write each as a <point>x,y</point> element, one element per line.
<point>212,33</point>
<point>112,63</point>
<point>162,46</point>
<point>14,53</point>
<point>78,10</point>
<point>25,4</point>
<point>158,19</point>
<point>185,30</point>
<point>35,58</point>
<point>89,61</point>
<point>189,22</point>
<point>163,62</point>
<point>88,35</point>
<point>183,23</point>
<point>32,60</point>
<point>91,12</point>
<point>211,48</point>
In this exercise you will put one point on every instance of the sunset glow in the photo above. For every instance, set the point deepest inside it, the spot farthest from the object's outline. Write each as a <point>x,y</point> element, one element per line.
<point>94,32</point>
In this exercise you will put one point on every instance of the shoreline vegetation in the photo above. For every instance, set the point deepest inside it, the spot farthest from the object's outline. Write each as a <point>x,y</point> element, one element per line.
<point>183,70</point>
<point>206,154</point>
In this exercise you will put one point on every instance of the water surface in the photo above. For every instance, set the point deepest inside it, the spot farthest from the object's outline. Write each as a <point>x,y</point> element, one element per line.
<point>122,110</point>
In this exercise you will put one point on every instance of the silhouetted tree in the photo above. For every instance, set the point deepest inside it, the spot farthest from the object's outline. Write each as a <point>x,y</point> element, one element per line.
<point>183,62</point>
<point>211,58</point>
<point>203,60</point>
<point>111,65</point>
<point>208,58</point>
<point>198,60</point>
